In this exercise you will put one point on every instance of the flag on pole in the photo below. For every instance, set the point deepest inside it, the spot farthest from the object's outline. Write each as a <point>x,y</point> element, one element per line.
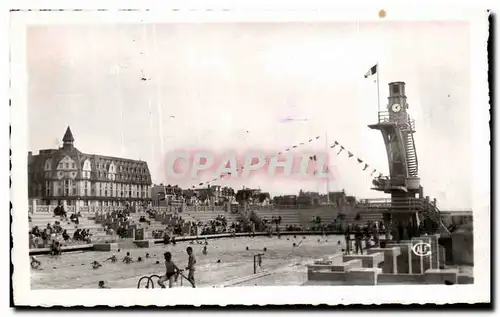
<point>371,71</point>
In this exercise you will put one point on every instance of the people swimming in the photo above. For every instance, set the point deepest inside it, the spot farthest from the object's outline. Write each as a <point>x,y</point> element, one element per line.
<point>204,250</point>
<point>172,271</point>
<point>112,258</point>
<point>96,265</point>
<point>35,263</point>
<point>139,259</point>
<point>191,265</point>
<point>147,255</point>
<point>127,259</point>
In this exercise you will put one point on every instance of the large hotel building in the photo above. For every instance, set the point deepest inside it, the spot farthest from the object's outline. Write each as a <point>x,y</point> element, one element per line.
<point>68,176</point>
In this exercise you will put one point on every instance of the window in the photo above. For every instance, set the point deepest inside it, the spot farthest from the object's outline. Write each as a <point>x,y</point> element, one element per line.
<point>73,165</point>
<point>66,165</point>
<point>395,89</point>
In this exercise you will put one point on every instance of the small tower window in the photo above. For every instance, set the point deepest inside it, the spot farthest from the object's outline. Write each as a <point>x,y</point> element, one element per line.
<point>395,89</point>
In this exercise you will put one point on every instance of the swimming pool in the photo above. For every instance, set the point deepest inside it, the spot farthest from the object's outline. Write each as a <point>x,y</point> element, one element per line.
<point>284,261</point>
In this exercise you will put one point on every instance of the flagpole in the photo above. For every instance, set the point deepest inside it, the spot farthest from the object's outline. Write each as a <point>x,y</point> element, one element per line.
<point>328,173</point>
<point>378,89</point>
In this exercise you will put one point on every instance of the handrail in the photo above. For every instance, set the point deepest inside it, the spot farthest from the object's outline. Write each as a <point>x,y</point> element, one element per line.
<point>414,151</point>
<point>150,280</point>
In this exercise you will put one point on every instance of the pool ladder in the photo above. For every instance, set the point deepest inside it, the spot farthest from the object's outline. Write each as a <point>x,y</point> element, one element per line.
<point>151,283</point>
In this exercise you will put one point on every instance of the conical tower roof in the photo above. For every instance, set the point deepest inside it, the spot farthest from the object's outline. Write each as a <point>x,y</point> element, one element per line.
<point>68,136</point>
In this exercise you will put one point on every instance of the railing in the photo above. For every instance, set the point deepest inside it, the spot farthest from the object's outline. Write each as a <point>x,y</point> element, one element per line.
<point>387,183</point>
<point>383,117</point>
<point>151,283</point>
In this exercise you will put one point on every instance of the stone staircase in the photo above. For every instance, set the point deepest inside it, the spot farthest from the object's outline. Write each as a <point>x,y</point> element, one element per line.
<point>326,213</point>
<point>206,216</point>
<point>153,225</point>
<point>288,216</point>
<point>296,216</point>
<point>86,222</point>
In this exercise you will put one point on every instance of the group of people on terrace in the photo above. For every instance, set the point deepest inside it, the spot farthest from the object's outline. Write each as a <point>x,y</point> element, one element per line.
<point>55,233</point>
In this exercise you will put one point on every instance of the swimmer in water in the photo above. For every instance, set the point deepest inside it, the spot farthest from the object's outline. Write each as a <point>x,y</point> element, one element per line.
<point>139,259</point>
<point>171,271</point>
<point>147,255</point>
<point>102,285</point>
<point>34,262</point>
<point>96,265</point>
<point>206,242</point>
<point>127,259</point>
<point>204,250</point>
<point>113,258</point>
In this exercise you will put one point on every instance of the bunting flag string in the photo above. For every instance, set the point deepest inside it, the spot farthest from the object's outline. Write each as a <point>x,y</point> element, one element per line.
<point>350,154</point>
<point>313,158</point>
<point>341,149</point>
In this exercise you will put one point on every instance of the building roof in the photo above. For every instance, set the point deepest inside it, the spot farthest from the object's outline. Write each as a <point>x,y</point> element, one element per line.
<point>127,170</point>
<point>68,136</point>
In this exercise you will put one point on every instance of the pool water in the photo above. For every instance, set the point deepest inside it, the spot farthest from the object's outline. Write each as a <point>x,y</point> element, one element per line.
<point>285,262</point>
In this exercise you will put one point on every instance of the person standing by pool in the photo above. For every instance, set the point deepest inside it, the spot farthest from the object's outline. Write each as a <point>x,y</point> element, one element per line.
<point>347,236</point>
<point>171,271</point>
<point>358,237</point>
<point>191,265</point>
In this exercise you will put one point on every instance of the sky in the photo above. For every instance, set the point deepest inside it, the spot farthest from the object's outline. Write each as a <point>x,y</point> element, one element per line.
<point>225,87</point>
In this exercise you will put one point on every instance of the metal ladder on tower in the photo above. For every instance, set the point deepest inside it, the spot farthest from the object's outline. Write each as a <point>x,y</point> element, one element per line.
<point>411,155</point>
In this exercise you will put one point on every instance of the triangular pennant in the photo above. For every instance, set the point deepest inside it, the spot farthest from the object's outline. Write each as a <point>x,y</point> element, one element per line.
<point>336,143</point>
<point>294,146</point>
<point>301,143</point>
<point>379,174</point>
<point>287,150</point>
<point>341,149</point>
<point>366,166</point>
<point>332,146</point>
<point>350,154</point>
<point>360,160</point>
<point>310,140</point>
<point>317,137</point>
